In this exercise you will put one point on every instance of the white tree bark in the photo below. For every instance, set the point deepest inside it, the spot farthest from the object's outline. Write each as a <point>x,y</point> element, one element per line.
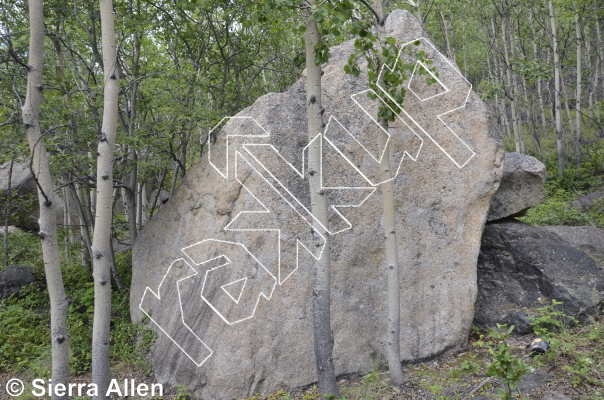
<point>513,101</point>
<point>323,341</point>
<point>101,245</point>
<point>393,346</point>
<point>578,95</point>
<point>46,197</point>
<point>557,89</point>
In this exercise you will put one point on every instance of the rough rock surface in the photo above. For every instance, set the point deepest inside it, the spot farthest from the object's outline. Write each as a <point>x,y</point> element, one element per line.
<point>13,278</point>
<point>23,186</point>
<point>522,187</point>
<point>534,380</point>
<point>585,202</point>
<point>441,210</point>
<point>522,267</point>
<point>588,239</point>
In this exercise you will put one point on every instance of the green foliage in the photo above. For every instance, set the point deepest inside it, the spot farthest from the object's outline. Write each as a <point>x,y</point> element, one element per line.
<point>506,366</point>
<point>183,393</point>
<point>388,66</point>
<point>24,335</point>
<point>576,351</point>
<point>557,209</point>
<point>466,367</point>
<point>550,317</point>
<point>24,248</point>
<point>25,320</point>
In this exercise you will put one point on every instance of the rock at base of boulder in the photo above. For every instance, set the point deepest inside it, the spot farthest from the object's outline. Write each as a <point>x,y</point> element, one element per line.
<point>534,380</point>
<point>588,239</point>
<point>521,267</point>
<point>13,278</point>
<point>555,396</point>
<point>522,187</point>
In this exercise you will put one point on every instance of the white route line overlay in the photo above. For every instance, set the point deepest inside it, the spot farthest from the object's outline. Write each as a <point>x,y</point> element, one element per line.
<point>427,42</point>
<point>158,296</point>
<point>267,211</point>
<point>406,153</point>
<point>228,262</point>
<point>266,135</point>
<point>334,207</point>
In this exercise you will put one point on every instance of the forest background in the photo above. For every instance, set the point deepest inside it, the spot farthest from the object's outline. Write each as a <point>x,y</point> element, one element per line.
<point>538,64</point>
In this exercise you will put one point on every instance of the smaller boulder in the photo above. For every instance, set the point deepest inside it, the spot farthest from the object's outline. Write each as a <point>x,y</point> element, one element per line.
<point>522,267</point>
<point>583,203</point>
<point>13,279</point>
<point>522,187</point>
<point>588,239</point>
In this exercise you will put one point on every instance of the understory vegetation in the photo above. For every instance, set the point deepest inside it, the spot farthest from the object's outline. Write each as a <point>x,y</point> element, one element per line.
<point>561,192</point>
<point>25,319</point>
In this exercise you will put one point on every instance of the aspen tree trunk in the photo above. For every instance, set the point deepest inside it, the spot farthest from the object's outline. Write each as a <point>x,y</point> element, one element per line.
<point>46,198</point>
<point>513,100</point>
<point>557,89</point>
<point>323,340</point>
<point>599,64</point>
<point>531,118</point>
<point>87,248</point>
<point>539,89</point>
<point>516,94</point>
<point>448,43</point>
<point>499,77</point>
<point>393,346</point>
<point>7,208</point>
<point>578,95</point>
<point>101,245</point>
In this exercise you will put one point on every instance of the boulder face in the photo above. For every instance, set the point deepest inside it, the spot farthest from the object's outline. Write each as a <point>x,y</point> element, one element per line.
<point>224,271</point>
<point>522,267</point>
<point>522,187</point>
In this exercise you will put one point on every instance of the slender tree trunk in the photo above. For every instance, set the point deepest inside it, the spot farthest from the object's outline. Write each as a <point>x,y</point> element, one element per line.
<point>101,245</point>
<point>578,95</point>
<point>393,347</point>
<point>46,198</point>
<point>7,208</point>
<point>571,124</point>
<point>516,95</point>
<point>557,89</point>
<point>323,339</point>
<point>84,228</point>
<point>513,100</point>
<point>447,42</point>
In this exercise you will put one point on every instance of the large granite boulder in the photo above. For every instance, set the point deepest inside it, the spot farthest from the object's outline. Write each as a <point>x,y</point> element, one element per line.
<point>522,267</point>
<point>522,187</point>
<point>224,270</point>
